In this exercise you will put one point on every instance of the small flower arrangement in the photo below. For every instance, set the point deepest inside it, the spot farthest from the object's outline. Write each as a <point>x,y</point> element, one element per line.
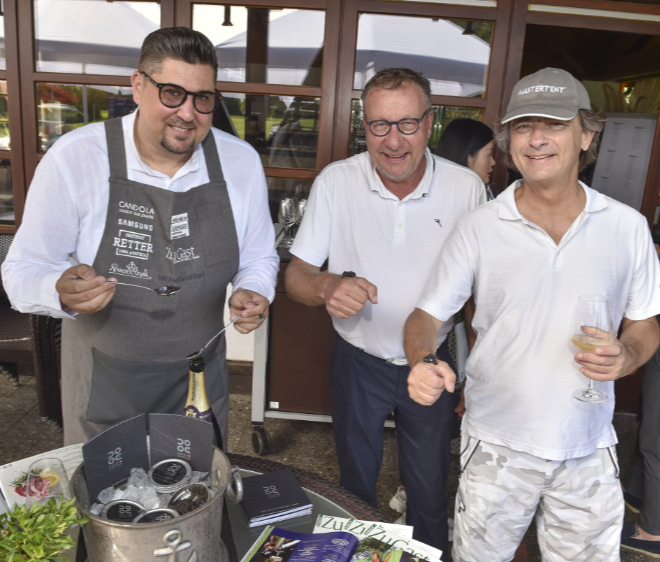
<point>40,532</point>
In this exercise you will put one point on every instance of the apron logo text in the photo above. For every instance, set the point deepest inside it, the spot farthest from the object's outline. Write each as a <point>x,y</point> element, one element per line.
<point>133,244</point>
<point>181,254</point>
<point>131,270</point>
<point>135,224</point>
<point>182,278</point>
<point>137,210</point>
<point>179,227</point>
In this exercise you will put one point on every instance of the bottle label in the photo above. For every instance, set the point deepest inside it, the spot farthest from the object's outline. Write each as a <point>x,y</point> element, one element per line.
<point>192,412</point>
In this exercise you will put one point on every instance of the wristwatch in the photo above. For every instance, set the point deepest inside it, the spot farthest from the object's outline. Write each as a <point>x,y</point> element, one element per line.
<point>430,358</point>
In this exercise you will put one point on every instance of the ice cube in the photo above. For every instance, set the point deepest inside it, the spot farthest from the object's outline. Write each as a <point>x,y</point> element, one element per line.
<point>131,492</point>
<point>197,477</point>
<point>96,508</point>
<point>106,495</point>
<point>164,499</point>
<point>138,478</point>
<point>149,499</point>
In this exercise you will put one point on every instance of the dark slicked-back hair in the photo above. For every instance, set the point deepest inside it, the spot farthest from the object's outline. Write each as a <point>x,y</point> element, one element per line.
<point>462,138</point>
<point>178,43</point>
<point>394,78</point>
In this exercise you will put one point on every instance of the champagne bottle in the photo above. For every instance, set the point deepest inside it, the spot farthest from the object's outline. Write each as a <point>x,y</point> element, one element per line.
<point>197,403</point>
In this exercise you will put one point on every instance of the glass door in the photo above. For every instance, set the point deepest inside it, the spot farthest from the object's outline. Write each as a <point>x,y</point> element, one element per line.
<point>291,76</point>
<point>455,45</point>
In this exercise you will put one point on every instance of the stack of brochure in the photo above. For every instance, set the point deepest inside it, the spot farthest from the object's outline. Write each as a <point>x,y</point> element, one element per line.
<point>340,539</point>
<point>273,496</point>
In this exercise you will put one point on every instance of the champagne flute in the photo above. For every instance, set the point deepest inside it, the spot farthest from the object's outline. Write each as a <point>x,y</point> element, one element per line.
<point>287,216</point>
<point>592,328</point>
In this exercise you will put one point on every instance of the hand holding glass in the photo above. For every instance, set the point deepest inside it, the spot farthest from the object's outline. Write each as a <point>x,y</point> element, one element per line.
<point>592,328</point>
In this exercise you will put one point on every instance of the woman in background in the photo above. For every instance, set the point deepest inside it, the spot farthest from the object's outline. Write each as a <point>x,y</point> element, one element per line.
<point>469,142</point>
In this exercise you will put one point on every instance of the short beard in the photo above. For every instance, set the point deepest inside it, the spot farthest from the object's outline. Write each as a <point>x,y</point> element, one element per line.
<point>166,145</point>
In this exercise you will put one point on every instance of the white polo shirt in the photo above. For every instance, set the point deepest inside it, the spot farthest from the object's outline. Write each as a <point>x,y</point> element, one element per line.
<point>521,373</point>
<point>357,224</point>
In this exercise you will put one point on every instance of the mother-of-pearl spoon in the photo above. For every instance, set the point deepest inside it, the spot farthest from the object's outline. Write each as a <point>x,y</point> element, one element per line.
<point>165,291</point>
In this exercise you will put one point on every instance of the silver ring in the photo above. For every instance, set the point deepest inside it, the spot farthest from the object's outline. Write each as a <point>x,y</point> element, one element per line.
<point>261,317</point>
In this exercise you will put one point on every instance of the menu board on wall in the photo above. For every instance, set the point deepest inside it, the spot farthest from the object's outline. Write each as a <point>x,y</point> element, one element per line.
<point>623,157</point>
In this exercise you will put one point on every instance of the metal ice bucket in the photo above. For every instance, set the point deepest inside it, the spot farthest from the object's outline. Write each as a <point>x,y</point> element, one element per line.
<point>194,536</point>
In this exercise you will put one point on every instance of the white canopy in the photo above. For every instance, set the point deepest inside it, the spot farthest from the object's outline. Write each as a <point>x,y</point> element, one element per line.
<point>455,63</point>
<point>89,36</point>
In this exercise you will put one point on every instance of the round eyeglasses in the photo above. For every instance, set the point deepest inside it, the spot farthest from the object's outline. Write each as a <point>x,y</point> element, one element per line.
<point>407,126</point>
<point>172,95</point>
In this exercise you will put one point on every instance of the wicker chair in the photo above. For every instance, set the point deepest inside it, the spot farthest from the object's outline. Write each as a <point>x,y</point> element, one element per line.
<point>28,338</point>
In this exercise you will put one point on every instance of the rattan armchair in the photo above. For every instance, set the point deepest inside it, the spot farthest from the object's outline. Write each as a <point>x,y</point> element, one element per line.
<point>32,339</point>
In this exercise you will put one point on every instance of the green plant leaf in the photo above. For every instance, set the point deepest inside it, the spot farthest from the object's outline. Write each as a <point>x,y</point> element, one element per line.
<point>40,532</point>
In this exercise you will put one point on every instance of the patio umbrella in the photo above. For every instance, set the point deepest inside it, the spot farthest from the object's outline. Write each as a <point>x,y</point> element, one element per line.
<point>89,36</point>
<point>294,41</point>
<point>454,62</point>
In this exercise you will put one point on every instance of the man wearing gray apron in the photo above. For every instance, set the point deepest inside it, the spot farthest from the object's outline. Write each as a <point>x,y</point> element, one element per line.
<point>202,262</point>
<point>146,200</point>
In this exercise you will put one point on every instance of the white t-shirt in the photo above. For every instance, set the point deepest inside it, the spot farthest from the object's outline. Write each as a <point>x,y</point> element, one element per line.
<point>521,373</point>
<point>356,223</point>
<point>67,203</point>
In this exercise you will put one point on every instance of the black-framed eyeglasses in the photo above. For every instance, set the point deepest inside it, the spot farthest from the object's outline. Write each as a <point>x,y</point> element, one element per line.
<point>172,95</point>
<point>407,126</point>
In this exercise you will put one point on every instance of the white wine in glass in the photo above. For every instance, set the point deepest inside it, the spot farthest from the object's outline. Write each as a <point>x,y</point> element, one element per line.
<point>592,328</point>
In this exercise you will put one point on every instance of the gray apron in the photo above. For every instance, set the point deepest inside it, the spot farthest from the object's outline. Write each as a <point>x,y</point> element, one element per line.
<point>131,356</point>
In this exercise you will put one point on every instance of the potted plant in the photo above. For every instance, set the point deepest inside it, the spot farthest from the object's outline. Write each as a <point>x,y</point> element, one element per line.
<point>40,532</point>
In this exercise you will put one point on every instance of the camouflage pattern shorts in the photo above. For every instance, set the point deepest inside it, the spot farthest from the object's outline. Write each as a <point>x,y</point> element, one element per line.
<point>578,504</point>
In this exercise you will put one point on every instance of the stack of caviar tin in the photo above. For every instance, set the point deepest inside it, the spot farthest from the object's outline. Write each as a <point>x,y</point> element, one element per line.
<point>171,480</point>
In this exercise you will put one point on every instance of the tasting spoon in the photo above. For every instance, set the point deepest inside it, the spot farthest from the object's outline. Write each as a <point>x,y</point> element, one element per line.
<point>196,353</point>
<point>165,291</point>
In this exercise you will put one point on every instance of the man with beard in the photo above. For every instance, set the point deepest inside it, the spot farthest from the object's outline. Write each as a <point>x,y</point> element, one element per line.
<point>155,198</point>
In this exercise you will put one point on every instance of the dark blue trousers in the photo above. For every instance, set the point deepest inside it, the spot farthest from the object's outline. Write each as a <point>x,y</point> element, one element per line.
<point>643,480</point>
<point>365,390</point>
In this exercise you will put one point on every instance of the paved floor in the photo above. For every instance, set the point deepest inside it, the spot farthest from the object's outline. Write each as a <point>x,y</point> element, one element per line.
<point>306,445</point>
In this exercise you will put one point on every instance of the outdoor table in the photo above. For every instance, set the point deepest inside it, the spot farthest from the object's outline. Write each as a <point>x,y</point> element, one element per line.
<point>327,499</point>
